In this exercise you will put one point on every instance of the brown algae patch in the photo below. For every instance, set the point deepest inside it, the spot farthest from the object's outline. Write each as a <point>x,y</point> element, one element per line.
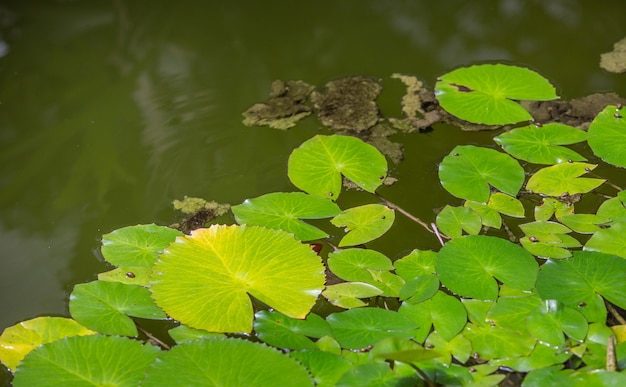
<point>615,61</point>
<point>285,106</point>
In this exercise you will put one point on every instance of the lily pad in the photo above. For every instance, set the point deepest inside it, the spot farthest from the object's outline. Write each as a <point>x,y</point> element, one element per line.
<point>470,265</point>
<point>507,312</point>
<point>452,221</point>
<point>494,342</point>
<point>610,241</point>
<point>563,179</point>
<point>577,281</point>
<point>549,321</point>
<point>203,280</point>
<point>18,340</point>
<point>445,312</point>
<point>105,306</point>
<point>326,368</point>
<point>183,333</point>
<point>488,216</point>
<point>417,263</point>
<point>583,223</point>
<point>357,264</point>
<point>280,331</point>
<point>542,145</point>
<point>506,204</point>
<point>419,289</point>
<point>86,361</point>
<point>607,136</point>
<point>137,246</point>
<point>358,328</point>
<point>551,206</point>
<point>468,171</point>
<point>347,295</point>
<point>364,223</point>
<point>484,94</point>
<point>128,275</point>
<point>317,165</point>
<point>225,362</point>
<point>283,211</point>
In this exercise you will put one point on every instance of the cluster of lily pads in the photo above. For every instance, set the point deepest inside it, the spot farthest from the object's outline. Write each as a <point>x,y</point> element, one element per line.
<point>245,298</point>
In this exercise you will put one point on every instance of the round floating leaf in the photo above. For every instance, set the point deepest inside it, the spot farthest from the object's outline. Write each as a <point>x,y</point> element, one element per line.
<point>373,374</point>
<point>183,333</point>
<point>452,221</point>
<point>613,209</point>
<point>281,331</point>
<point>364,223</point>
<point>483,94</point>
<point>578,280</point>
<point>494,342</point>
<point>583,223</point>
<point>225,362</point>
<point>317,165</point>
<point>445,312</point>
<point>607,136</point>
<point>137,246</point>
<point>105,306</point>
<point>507,312</point>
<point>203,280</point>
<point>488,216</point>
<point>283,211</point>
<point>549,320</point>
<point>458,346</point>
<point>552,206</point>
<point>563,179</point>
<point>358,328</point>
<point>417,263</point>
<point>468,171</point>
<point>467,266</point>
<point>356,264</point>
<point>326,368</point>
<point>542,356</point>
<point>18,340</point>
<point>346,295</point>
<point>610,241</point>
<point>86,361</point>
<point>403,350</point>
<point>419,289</point>
<point>506,205</point>
<point>542,145</point>
<point>545,250</point>
<point>128,275</point>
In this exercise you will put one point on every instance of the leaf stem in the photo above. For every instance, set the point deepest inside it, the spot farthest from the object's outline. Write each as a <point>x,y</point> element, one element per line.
<point>153,338</point>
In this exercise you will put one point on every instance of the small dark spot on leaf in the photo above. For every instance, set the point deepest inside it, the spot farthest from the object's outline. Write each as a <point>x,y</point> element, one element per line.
<point>533,239</point>
<point>130,274</point>
<point>381,177</point>
<point>330,194</point>
<point>619,106</point>
<point>617,115</point>
<point>455,154</point>
<point>429,346</point>
<point>461,88</point>
<point>570,161</point>
<point>382,217</point>
<point>587,169</point>
<point>472,369</point>
<point>538,124</point>
<point>582,304</point>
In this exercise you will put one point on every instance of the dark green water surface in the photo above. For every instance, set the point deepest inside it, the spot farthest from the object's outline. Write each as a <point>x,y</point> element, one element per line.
<point>109,110</point>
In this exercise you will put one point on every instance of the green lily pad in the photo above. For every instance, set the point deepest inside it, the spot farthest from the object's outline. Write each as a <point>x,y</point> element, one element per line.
<point>204,279</point>
<point>326,368</point>
<point>549,321</point>
<point>610,241</point>
<point>283,211</point>
<point>506,204</point>
<point>86,361</point>
<point>577,281</point>
<point>488,216</point>
<point>445,312</point>
<point>355,264</point>
<point>417,263</point>
<point>583,223</point>
<point>347,295</point>
<point>468,171</point>
<point>403,350</point>
<point>563,179</point>
<point>553,249</point>
<point>419,289</point>
<point>452,221</point>
<point>551,206</point>
<point>225,362</point>
<point>507,312</point>
<point>613,209</point>
<point>364,223</point>
<point>542,145</point>
<point>484,94</point>
<point>105,306</point>
<point>183,333</point>
<point>18,340</point>
<point>544,230</point>
<point>128,275</point>
<point>467,266</point>
<point>373,374</point>
<point>317,165</point>
<point>495,342</point>
<point>280,331</point>
<point>459,347</point>
<point>137,246</point>
<point>607,136</point>
<point>358,328</point>
<point>542,356</point>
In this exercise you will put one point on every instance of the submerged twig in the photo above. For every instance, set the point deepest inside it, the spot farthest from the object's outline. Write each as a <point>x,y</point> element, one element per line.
<point>615,314</point>
<point>434,226</point>
<point>405,213</point>
<point>611,355</point>
<point>153,338</point>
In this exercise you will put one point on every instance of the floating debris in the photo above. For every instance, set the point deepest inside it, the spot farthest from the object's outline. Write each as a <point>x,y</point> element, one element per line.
<point>615,61</point>
<point>285,106</point>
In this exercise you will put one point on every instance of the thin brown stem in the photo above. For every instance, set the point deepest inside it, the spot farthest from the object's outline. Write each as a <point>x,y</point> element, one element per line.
<point>615,314</point>
<point>436,230</point>
<point>414,218</point>
<point>153,338</point>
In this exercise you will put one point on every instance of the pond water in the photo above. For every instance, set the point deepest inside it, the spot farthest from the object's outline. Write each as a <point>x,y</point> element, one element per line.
<point>110,110</point>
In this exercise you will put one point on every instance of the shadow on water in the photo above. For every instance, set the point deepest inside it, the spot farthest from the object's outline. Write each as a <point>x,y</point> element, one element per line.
<point>110,110</point>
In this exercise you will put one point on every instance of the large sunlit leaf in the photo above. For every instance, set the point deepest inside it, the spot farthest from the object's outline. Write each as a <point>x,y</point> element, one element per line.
<point>225,362</point>
<point>205,280</point>
<point>562,179</point>
<point>611,240</point>
<point>86,361</point>
<point>137,246</point>
<point>364,223</point>
<point>317,165</point>
<point>445,312</point>
<point>280,331</point>
<point>283,211</point>
<point>469,171</point>
<point>542,145</point>
<point>484,93</point>
<point>577,281</point>
<point>105,306</point>
<point>18,340</point>
<point>358,328</point>
<point>607,136</point>
<point>470,265</point>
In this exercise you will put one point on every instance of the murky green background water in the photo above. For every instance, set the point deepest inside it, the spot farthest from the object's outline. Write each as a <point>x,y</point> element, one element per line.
<point>109,110</point>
